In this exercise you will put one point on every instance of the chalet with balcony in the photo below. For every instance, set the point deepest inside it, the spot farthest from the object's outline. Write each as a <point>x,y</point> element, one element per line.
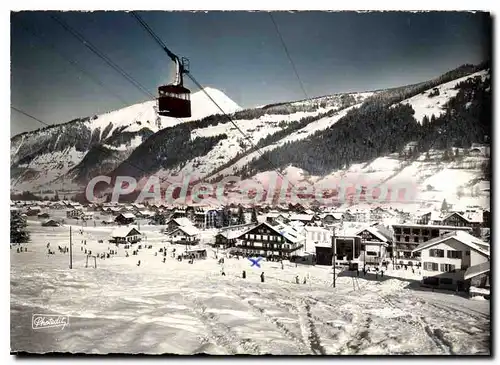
<point>175,223</point>
<point>446,259</point>
<point>407,237</point>
<point>125,218</point>
<point>280,241</point>
<point>188,235</point>
<point>124,235</point>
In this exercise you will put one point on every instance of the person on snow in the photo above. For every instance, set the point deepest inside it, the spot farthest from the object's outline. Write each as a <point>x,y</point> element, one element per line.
<point>296,279</point>
<point>164,259</point>
<point>304,280</point>
<point>244,274</point>
<point>139,263</point>
<point>262,277</point>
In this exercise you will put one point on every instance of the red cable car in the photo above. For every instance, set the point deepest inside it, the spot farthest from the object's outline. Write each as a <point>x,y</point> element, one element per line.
<point>174,99</point>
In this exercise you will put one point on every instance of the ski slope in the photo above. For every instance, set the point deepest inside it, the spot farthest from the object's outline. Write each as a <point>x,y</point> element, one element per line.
<point>181,308</point>
<point>427,106</point>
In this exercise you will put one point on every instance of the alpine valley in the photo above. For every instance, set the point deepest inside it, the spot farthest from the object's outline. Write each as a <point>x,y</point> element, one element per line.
<point>434,134</point>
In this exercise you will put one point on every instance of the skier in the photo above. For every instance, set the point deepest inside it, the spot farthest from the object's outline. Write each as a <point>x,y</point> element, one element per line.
<point>262,277</point>
<point>164,259</point>
<point>304,280</point>
<point>244,274</point>
<point>296,279</point>
<point>382,273</point>
<point>282,265</point>
<point>139,263</point>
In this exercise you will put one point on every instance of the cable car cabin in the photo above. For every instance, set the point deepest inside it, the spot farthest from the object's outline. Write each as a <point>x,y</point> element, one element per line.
<point>174,101</point>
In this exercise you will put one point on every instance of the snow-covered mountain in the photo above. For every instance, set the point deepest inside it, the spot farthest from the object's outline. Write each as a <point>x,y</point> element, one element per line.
<point>406,134</point>
<point>66,155</point>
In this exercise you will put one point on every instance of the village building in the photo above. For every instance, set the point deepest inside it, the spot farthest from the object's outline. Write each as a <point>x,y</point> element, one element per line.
<point>374,244</point>
<point>51,223</point>
<point>175,223</point>
<point>331,219</point>
<point>56,205</point>
<point>125,218</point>
<point>280,241</point>
<point>316,236</point>
<point>198,254</point>
<point>479,278</point>
<point>408,236</point>
<point>456,219</point>
<point>227,238</point>
<point>125,235</point>
<point>274,218</point>
<point>74,213</point>
<point>306,219</point>
<point>33,211</point>
<point>185,235</point>
<point>446,259</point>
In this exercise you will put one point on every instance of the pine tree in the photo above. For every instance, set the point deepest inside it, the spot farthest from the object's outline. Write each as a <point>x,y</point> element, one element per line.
<point>241,215</point>
<point>425,122</point>
<point>254,215</point>
<point>444,206</point>
<point>446,155</point>
<point>18,232</point>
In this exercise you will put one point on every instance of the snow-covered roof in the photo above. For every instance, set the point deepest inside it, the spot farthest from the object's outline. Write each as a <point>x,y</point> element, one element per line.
<point>315,229</point>
<point>189,230</point>
<point>181,221</point>
<point>301,217</point>
<point>373,231</point>
<point>461,236</point>
<point>231,234</point>
<point>288,232</point>
<point>123,231</point>
<point>128,215</point>
<point>477,270</point>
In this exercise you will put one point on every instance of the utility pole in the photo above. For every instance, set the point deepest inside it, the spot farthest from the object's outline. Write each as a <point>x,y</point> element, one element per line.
<point>334,250</point>
<point>70,250</point>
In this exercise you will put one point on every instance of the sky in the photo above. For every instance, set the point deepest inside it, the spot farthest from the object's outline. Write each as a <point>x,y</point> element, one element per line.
<point>56,78</point>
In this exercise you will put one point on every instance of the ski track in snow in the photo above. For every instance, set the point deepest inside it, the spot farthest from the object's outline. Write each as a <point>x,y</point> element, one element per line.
<point>188,309</point>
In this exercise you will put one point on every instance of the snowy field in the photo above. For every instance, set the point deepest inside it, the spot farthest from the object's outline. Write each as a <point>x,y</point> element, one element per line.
<point>181,308</point>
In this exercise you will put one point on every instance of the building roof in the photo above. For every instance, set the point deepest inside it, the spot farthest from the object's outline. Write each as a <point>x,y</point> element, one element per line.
<point>316,229</point>
<point>189,230</point>
<point>477,270</point>
<point>302,217</point>
<point>373,231</point>
<point>288,232</point>
<point>463,237</point>
<point>430,226</point>
<point>231,234</point>
<point>283,229</point>
<point>127,215</point>
<point>123,231</point>
<point>181,221</point>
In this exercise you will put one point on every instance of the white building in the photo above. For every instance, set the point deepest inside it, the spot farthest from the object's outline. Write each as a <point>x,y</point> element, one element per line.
<point>445,259</point>
<point>316,236</point>
<point>125,235</point>
<point>185,234</point>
